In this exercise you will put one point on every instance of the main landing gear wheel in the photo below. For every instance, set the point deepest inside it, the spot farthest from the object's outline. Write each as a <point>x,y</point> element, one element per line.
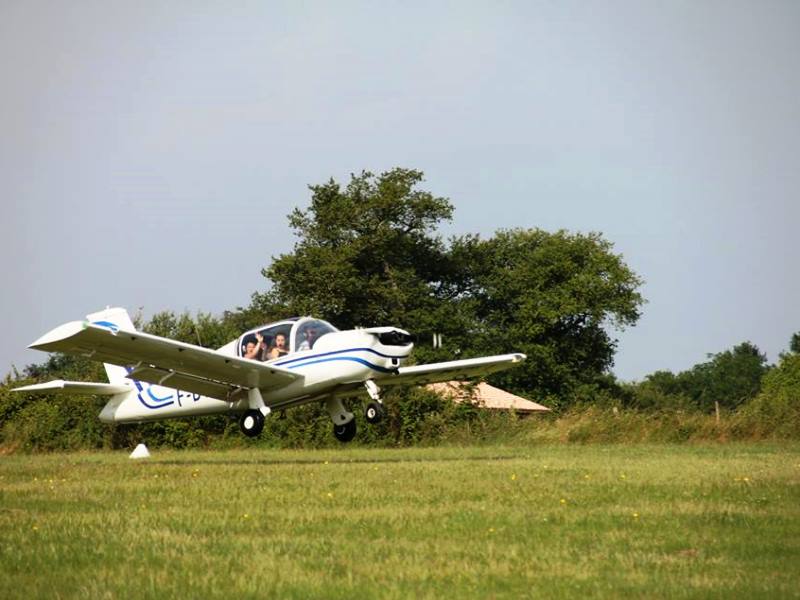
<point>251,423</point>
<point>374,413</point>
<point>346,432</point>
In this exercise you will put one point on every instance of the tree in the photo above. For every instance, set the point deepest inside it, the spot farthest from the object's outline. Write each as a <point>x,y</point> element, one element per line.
<point>776,409</point>
<point>203,330</point>
<point>662,390</point>
<point>731,377</point>
<point>367,253</point>
<point>794,344</point>
<point>554,296</point>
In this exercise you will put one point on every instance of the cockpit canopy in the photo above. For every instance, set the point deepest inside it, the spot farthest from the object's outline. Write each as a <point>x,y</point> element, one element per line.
<point>281,338</point>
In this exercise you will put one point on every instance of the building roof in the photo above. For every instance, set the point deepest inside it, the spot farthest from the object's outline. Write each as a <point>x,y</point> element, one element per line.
<point>485,395</point>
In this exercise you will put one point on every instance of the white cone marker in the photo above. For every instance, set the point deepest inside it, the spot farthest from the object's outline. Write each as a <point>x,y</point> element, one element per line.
<point>140,451</point>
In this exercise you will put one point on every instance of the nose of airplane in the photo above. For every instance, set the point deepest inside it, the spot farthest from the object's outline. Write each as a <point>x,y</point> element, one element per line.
<point>396,337</point>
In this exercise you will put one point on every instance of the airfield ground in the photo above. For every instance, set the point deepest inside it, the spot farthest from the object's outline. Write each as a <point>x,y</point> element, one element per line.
<point>460,522</point>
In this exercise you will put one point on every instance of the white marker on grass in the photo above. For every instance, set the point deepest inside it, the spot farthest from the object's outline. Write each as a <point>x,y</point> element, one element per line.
<point>140,451</point>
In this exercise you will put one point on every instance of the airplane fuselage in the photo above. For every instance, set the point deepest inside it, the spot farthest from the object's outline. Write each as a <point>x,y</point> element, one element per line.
<point>337,359</point>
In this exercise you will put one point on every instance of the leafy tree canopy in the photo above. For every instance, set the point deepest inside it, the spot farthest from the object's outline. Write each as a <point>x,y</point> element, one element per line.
<point>553,296</point>
<point>731,378</point>
<point>794,344</point>
<point>369,254</point>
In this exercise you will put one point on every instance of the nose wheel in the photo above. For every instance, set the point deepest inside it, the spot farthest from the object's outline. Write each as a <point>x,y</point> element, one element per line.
<point>374,412</point>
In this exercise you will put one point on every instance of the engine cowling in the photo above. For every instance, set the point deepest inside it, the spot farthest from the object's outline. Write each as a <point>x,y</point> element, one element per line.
<point>396,337</point>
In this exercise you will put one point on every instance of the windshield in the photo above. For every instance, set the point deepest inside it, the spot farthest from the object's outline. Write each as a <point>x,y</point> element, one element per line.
<point>275,340</point>
<point>308,331</point>
<point>267,342</point>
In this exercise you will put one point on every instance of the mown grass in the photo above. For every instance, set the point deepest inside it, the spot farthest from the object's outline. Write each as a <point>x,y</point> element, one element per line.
<point>555,521</point>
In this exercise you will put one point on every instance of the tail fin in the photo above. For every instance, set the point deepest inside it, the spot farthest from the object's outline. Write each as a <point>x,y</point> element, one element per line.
<point>116,319</point>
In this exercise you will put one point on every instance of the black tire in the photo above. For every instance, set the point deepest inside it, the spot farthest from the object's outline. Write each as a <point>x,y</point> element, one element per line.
<point>251,423</point>
<point>374,413</point>
<point>346,432</point>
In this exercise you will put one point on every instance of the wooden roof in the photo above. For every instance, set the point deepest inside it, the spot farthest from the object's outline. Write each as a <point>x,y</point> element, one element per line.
<point>486,396</point>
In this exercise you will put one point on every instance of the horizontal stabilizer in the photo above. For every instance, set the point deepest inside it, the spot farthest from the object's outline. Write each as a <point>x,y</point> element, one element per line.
<point>59,386</point>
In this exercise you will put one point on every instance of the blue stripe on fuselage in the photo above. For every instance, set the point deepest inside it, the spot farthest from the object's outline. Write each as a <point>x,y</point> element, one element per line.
<point>349,358</point>
<point>138,385</point>
<point>302,358</point>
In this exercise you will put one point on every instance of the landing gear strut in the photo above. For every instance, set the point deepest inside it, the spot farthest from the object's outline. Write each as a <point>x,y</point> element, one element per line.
<point>344,422</point>
<point>252,421</point>
<point>374,412</point>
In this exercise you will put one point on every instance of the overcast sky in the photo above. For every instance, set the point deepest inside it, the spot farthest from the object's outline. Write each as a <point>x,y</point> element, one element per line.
<point>150,152</point>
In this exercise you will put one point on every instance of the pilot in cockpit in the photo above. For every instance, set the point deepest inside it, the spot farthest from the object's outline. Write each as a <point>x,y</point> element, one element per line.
<point>310,336</point>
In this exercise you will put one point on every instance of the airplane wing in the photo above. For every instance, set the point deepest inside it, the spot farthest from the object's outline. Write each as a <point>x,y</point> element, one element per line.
<point>447,371</point>
<point>163,361</point>
<point>74,387</point>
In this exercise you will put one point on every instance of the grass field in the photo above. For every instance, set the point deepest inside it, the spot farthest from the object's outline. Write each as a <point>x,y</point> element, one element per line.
<point>546,521</point>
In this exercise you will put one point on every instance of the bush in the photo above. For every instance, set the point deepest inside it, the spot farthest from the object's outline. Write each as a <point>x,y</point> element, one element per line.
<point>775,412</point>
<point>66,423</point>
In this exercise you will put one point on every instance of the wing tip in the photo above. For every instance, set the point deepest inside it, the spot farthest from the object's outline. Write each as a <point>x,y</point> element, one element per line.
<point>58,334</point>
<point>56,384</point>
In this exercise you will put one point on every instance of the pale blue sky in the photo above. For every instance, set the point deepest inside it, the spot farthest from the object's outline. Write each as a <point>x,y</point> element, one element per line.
<point>149,152</point>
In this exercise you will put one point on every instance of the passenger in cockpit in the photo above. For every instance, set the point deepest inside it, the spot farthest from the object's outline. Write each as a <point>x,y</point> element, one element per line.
<point>252,346</point>
<point>279,349</point>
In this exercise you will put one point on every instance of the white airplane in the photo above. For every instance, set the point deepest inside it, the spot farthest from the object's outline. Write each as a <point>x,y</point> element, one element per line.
<point>152,377</point>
